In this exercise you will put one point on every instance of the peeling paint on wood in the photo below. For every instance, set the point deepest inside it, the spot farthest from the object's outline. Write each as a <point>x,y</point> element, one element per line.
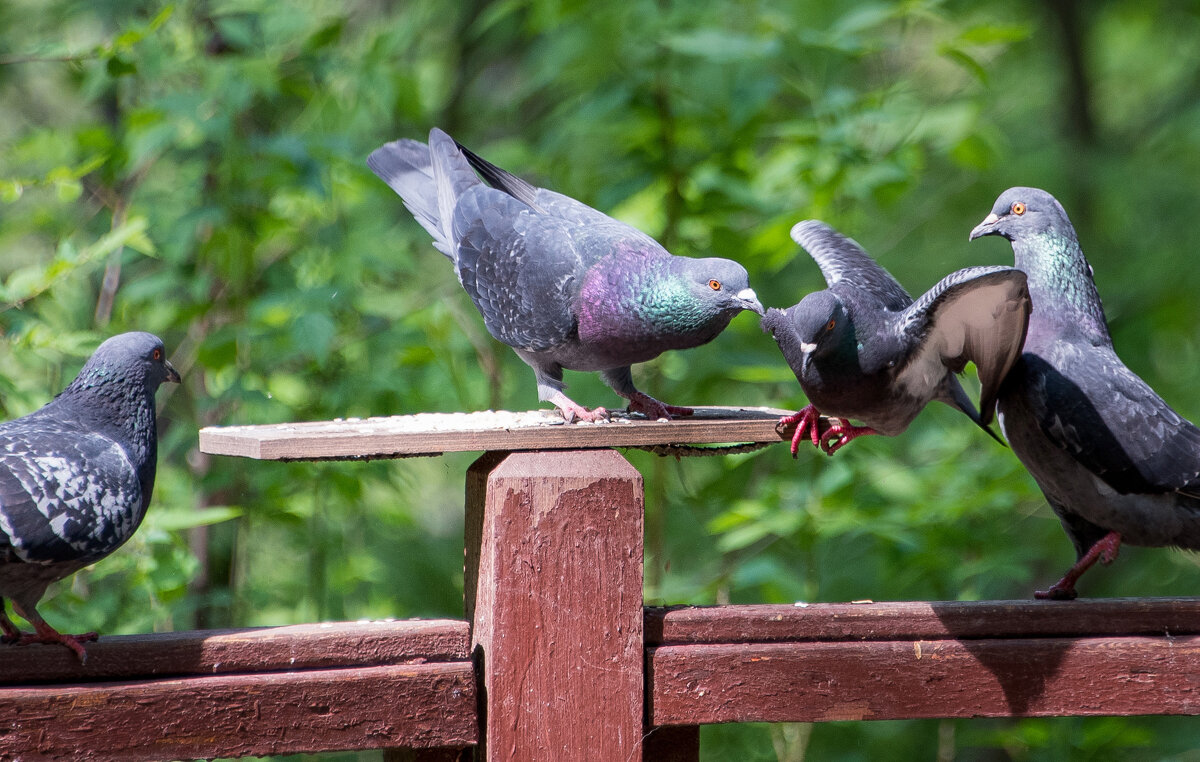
<point>258,649</point>
<point>922,620</point>
<point>880,680</point>
<point>416,705</point>
<point>554,549</point>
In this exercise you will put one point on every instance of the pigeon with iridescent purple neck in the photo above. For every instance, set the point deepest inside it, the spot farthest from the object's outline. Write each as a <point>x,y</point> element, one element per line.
<point>1114,461</point>
<point>564,285</point>
<point>76,477</point>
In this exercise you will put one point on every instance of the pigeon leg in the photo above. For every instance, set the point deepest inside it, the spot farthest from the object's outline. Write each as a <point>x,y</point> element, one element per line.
<point>621,381</point>
<point>840,433</point>
<point>640,402</point>
<point>1105,551</point>
<point>806,421</point>
<point>572,411</point>
<point>550,389</point>
<point>47,634</point>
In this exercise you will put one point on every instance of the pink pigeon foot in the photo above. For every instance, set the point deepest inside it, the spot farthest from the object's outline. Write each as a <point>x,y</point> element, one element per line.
<point>1105,551</point>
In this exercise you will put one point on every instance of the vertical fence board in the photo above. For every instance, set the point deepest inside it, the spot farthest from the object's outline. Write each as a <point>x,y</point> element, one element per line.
<point>557,604</point>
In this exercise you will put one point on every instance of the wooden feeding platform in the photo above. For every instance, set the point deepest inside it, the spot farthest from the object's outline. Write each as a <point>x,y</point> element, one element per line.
<point>491,430</point>
<point>557,657</point>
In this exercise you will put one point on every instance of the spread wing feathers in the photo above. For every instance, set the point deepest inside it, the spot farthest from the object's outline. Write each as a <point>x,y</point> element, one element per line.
<point>521,269</point>
<point>979,315</point>
<point>841,258</point>
<point>64,495</point>
<point>1111,421</point>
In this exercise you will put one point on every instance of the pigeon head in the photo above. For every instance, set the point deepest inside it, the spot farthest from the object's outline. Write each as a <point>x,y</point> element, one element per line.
<point>720,285</point>
<point>1046,248</point>
<point>697,295</point>
<point>129,360</point>
<point>1021,212</point>
<point>818,326</point>
<point>821,323</point>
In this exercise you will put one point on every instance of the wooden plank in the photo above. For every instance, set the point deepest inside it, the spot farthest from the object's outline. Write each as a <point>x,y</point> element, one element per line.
<point>922,620</point>
<point>433,433</point>
<point>416,705</point>
<point>555,546</point>
<point>881,680</point>
<point>261,649</point>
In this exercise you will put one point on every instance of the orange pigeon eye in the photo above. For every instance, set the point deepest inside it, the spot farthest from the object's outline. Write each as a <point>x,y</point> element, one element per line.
<point>157,354</point>
<point>1018,208</point>
<point>714,284</point>
<point>829,326</point>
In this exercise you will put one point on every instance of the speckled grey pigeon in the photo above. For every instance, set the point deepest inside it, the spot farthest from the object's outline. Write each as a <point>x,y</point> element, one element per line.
<point>76,477</point>
<point>864,349</point>
<point>1114,461</point>
<point>561,283</point>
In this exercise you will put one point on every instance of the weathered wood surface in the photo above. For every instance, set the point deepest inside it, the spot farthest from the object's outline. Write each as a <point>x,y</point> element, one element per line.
<point>880,680</point>
<point>269,690</point>
<point>554,570</point>
<point>904,620</point>
<point>433,433</point>
<point>904,660</point>
<point>259,649</point>
<point>413,705</point>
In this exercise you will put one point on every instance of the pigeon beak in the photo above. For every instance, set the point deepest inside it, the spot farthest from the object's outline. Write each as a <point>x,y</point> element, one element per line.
<point>985,227</point>
<point>807,347</point>
<point>749,301</point>
<point>172,374</point>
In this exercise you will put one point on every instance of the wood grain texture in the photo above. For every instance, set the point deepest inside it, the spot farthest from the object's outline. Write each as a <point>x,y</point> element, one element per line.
<point>434,433</point>
<point>879,680</point>
<point>417,705</point>
<point>922,620</point>
<point>557,604</point>
<point>260,649</point>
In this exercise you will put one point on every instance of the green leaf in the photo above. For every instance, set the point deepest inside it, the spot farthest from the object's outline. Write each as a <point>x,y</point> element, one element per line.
<point>175,520</point>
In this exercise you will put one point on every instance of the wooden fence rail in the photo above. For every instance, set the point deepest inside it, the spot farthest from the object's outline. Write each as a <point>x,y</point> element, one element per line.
<point>557,659</point>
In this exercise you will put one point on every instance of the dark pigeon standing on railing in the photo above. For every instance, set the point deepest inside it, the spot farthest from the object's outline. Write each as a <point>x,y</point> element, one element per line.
<point>76,477</point>
<point>563,284</point>
<point>863,349</point>
<point>1114,461</point>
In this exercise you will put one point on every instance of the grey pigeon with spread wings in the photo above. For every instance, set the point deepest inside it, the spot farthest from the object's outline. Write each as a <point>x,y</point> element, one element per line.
<point>1114,461</point>
<point>564,285</point>
<point>863,349</point>
<point>76,477</point>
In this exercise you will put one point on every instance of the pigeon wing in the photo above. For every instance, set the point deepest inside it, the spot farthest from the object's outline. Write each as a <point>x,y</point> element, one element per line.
<point>545,201</point>
<point>842,259</point>
<point>978,315</point>
<point>521,269</point>
<point>64,495</point>
<point>1111,421</point>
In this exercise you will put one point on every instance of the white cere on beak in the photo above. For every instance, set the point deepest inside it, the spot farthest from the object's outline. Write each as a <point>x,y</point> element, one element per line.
<point>747,295</point>
<point>808,348</point>
<point>988,220</point>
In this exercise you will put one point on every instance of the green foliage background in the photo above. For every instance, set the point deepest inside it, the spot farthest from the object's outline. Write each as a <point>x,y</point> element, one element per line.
<point>197,170</point>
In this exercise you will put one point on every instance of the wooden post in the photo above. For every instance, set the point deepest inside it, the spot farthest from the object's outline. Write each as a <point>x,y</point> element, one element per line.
<point>554,593</point>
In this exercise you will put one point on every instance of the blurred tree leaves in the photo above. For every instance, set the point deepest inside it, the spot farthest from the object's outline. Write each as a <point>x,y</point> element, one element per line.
<point>202,163</point>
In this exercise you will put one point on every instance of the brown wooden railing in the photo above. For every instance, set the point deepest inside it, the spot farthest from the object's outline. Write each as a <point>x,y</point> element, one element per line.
<point>558,659</point>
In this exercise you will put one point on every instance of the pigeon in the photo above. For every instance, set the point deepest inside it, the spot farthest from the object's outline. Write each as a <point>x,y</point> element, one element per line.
<point>1113,460</point>
<point>76,477</point>
<point>863,349</point>
<point>564,285</point>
